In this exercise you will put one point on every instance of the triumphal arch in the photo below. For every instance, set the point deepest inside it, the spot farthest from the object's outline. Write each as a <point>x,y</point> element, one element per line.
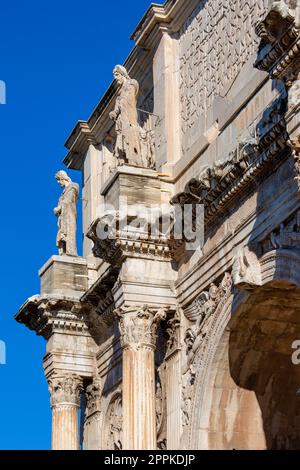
<point>176,328</point>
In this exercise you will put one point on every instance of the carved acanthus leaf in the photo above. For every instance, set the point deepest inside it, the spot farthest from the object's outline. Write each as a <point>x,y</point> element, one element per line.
<point>138,325</point>
<point>93,397</point>
<point>65,389</point>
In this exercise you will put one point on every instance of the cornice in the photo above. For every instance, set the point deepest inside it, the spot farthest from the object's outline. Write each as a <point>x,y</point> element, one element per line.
<point>162,18</point>
<point>157,20</point>
<point>78,143</point>
<point>237,176</point>
<point>121,244</point>
<point>49,314</point>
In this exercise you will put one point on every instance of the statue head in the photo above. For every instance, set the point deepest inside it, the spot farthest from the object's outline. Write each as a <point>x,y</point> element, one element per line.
<point>62,178</point>
<point>120,74</point>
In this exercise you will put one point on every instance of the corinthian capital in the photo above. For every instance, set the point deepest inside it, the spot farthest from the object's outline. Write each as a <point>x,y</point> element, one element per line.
<point>138,325</point>
<point>65,389</point>
<point>93,397</point>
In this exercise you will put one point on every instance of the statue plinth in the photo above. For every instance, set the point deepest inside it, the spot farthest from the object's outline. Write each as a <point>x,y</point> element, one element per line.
<point>139,185</point>
<point>65,276</point>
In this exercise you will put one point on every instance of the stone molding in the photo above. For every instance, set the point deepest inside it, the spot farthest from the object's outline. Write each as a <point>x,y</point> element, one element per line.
<point>65,390</point>
<point>47,314</point>
<point>123,243</point>
<point>219,184</point>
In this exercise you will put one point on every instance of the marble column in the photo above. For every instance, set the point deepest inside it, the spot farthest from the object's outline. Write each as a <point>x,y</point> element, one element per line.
<point>138,327</point>
<point>65,393</point>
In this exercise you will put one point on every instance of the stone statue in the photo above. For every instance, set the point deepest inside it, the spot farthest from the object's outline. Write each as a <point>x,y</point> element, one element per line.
<point>127,147</point>
<point>67,215</point>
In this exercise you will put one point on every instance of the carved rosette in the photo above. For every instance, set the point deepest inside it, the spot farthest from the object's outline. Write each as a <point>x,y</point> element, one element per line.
<point>138,325</point>
<point>93,397</point>
<point>65,390</point>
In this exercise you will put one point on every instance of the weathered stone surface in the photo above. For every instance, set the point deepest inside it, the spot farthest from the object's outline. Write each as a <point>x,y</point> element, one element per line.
<point>64,275</point>
<point>66,213</point>
<point>172,346</point>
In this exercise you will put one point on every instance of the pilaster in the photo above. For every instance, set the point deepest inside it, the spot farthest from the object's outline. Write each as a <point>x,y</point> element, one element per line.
<point>138,328</point>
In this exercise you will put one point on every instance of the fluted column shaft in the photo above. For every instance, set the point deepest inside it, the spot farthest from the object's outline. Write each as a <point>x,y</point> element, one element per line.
<point>65,395</point>
<point>138,338</point>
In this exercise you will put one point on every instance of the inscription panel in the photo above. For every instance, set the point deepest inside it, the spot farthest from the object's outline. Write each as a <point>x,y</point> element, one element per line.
<point>215,42</point>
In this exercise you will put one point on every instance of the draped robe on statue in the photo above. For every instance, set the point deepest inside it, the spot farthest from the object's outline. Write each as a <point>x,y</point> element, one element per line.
<point>66,236</point>
<point>127,128</point>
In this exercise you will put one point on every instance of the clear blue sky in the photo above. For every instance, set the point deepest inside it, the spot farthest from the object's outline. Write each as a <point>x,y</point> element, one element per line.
<point>56,59</point>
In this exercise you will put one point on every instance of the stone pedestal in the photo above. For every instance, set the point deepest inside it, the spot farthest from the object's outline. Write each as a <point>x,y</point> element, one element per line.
<point>138,338</point>
<point>64,275</point>
<point>60,317</point>
<point>139,186</point>
<point>65,395</point>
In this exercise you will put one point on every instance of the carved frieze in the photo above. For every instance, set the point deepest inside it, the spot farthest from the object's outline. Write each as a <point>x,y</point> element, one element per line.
<point>278,32</point>
<point>218,184</point>
<point>200,312</point>
<point>65,389</point>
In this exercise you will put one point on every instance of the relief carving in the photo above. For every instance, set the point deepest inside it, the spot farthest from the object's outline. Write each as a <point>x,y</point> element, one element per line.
<point>246,271</point>
<point>114,424</point>
<point>255,154</point>
<point>279,55</point>
<point>173,333</point>
<point>286,236</point>
<point>200,312</point>
<point>160,406</point>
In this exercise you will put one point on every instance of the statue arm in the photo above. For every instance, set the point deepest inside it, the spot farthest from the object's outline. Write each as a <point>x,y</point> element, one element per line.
<point>115,113</point>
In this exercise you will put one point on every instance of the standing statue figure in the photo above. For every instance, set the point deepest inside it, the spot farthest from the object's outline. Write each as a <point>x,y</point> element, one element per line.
<point>67,215</point>
<point>127,147</point>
